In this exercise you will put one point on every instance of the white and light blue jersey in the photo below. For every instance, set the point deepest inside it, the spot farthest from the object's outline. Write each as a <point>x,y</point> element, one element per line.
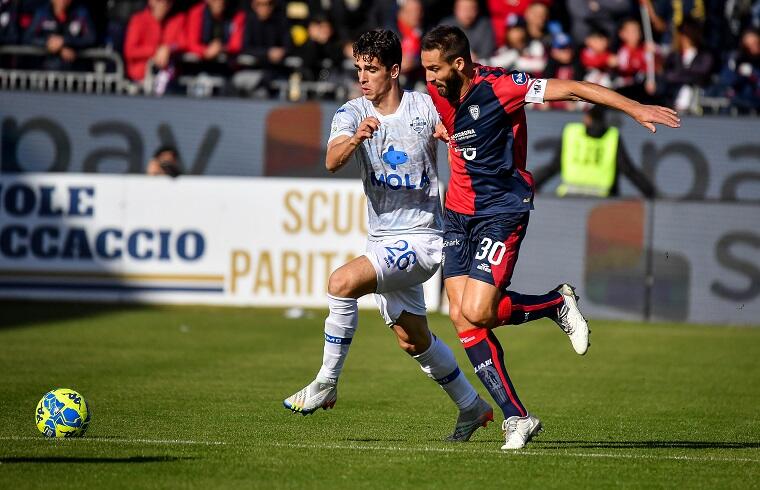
<point>398,164</point>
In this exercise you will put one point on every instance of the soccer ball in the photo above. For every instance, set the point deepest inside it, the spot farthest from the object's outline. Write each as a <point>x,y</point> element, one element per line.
<point>62,413</point>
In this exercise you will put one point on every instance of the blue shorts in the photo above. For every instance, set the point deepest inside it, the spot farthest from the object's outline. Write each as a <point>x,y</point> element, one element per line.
<point>483,247</point>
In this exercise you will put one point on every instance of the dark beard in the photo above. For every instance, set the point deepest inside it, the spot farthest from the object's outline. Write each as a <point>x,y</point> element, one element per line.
<point>453,88</point>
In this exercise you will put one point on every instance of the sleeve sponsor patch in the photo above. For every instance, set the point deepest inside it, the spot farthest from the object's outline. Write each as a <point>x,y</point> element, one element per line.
<point>343,123</point>
<point>536,90</point>
<point>519,78</point>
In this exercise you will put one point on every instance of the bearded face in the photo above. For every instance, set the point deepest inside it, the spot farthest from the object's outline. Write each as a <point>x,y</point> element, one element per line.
<point>442,74</point>
<point>452,86</point>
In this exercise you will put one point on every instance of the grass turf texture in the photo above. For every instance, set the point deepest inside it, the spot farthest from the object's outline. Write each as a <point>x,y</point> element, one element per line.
<point>192,397</point>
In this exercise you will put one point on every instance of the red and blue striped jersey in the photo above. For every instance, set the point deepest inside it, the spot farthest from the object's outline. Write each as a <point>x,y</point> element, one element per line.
<point>489,141</point>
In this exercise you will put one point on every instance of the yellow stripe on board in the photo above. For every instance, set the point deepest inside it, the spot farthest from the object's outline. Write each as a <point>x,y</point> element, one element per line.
<point>216,278</point>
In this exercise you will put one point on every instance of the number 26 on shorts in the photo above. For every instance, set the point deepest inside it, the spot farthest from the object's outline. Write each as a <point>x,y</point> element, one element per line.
<point>406,257</point>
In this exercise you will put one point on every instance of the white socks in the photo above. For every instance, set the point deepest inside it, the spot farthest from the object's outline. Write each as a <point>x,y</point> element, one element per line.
<point>340,326</point>
<point>438,362</point>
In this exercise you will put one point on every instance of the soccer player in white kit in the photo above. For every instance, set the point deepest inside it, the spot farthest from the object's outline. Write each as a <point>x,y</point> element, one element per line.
<point>390,134</point>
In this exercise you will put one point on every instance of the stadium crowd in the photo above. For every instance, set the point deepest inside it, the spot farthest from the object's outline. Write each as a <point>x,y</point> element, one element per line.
<point>704,53</point>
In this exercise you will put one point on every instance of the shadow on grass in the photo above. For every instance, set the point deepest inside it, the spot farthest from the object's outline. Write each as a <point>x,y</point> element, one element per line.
<point>60,459</point>
<point>545,444</point>
<point>17,314</point>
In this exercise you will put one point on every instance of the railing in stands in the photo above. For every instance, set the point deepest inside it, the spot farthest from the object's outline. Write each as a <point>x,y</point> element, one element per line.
<point>105,74</point>
<point>105,77</point>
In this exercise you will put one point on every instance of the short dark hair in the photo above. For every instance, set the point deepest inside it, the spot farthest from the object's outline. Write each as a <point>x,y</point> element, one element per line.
<point>451,41</point>
<point>626,20</point>
<point>598,113</point>
<point>166,148</point>
<point>691,28</point>
<point>381,44</point>
<point>597,32</point>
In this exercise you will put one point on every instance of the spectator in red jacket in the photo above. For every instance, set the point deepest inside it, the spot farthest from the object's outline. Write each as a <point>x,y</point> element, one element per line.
<point>536,17</point>
<point>597,58</point>
<point>500,10</point>
<point>154,34</point>
<point>214,28</point>
<point>520,52</point>
<point>409,22</point>
<point>631,61</point>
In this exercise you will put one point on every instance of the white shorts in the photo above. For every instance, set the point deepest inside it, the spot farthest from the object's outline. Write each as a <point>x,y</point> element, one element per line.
<point>402,264</point>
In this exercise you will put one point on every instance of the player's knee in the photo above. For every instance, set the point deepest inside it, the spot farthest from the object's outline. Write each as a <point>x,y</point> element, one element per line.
<point>407,346</point>
<point>455,313</point>
<point>460,322</point>
<point>413,341</point>
<point>479,317</point>
<point>414,346</point>
<point>340,285</point>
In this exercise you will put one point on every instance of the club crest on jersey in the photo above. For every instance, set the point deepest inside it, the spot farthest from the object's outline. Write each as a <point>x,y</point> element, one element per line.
<point>474,111</point>
<point>519,78</point>
<point>393,157</point>
<point>418,124</point>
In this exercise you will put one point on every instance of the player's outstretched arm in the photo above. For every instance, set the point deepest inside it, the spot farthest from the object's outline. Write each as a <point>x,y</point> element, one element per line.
<point>340,149</point>
<point>646,115</point>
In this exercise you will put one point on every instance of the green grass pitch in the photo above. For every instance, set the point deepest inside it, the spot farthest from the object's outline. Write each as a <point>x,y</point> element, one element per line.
<point>191,397</point>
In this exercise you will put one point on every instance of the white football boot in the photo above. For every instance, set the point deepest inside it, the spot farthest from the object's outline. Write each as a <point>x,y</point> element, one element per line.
<point>470,420</point>
<point>571,321</point>
<point>312,397</point>
<point>519,430</point>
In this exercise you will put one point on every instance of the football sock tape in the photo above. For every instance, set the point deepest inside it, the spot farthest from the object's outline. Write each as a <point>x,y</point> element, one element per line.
<point>438,363</point>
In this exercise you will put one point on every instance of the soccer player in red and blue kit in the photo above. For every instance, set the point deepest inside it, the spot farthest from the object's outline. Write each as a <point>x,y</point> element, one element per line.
<point>488,205</point>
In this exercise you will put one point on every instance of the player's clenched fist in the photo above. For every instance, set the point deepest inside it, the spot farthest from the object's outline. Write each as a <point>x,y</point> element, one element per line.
<point>366,129</point>
<point>441,133</point>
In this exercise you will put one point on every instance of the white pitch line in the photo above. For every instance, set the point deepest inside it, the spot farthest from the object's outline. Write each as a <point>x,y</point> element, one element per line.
<point>418,449</point>
<point>117,441</point>
<point>528,452</point>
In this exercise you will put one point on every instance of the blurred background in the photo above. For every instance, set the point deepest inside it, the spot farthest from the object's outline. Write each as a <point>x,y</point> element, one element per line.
<point>700,56</point>
<point>103,102</point>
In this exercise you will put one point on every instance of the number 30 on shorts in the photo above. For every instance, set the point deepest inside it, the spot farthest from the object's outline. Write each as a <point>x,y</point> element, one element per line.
<point>495,251</point>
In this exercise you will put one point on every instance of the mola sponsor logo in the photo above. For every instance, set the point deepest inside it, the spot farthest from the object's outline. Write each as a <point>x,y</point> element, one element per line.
<point>394,157</point>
